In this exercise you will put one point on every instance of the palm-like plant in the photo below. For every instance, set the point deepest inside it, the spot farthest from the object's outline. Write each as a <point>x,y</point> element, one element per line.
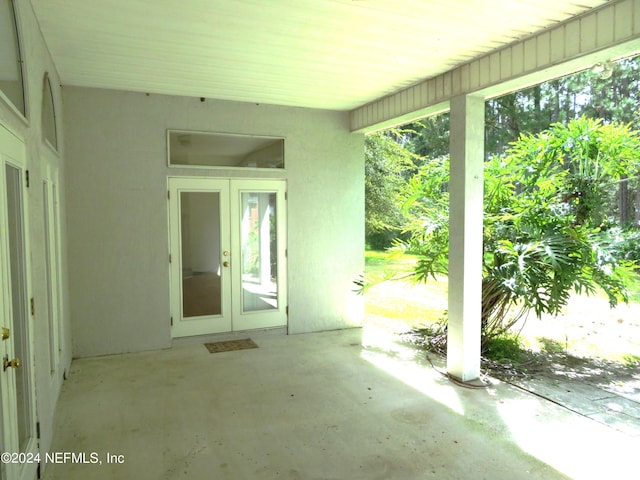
<point>545,228</point>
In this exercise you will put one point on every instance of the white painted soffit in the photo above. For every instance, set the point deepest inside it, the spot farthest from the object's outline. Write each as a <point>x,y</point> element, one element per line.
<point>331,54</point>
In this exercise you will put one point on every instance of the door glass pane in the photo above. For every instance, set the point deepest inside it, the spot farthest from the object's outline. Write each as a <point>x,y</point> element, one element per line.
<point>201,264</point>
<point>49,129</point>
<point>259,243</point>
<point>50,265</point>
<point>10,62</point>
<point>17,256</point>
<point>57,272</point>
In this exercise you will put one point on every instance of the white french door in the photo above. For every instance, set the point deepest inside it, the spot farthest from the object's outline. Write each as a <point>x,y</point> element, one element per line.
<point>228,255</point>
<point>17,400</point>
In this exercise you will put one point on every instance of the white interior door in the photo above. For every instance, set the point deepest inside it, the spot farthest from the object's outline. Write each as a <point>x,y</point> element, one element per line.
<point>18,408</point>
<point>228,257</point>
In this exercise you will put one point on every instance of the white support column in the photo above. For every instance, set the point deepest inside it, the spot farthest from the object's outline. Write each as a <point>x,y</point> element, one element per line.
<point>465,236</point>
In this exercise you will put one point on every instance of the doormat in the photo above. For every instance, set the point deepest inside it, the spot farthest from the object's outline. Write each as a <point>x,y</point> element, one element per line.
<point>230,345</point>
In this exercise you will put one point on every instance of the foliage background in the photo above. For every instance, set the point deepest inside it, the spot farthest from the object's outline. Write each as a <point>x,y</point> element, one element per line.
<point>562,198</point>
<point>394,156</point>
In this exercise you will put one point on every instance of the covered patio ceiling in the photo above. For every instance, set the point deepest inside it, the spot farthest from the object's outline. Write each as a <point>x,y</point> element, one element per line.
<point>329,54</point>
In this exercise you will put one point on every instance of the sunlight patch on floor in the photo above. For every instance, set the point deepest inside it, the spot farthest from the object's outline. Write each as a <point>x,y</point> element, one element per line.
<point>576,446</point>
<point>384,352</point>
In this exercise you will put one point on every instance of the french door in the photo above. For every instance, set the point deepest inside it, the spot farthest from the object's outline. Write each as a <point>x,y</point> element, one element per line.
<point>17,400</point>
<point>228,255</point>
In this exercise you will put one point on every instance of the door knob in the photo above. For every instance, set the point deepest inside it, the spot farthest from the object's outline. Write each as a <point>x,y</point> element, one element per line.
<point>6,363</point>
<point>225,264</point>
<point>226,253</point>
<point>5,333</point>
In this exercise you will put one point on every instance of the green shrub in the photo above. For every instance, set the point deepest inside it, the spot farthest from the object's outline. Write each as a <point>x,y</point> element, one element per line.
<point>503,347</point>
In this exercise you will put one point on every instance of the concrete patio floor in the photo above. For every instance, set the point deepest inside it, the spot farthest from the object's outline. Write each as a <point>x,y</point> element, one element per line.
<point>353,404</point>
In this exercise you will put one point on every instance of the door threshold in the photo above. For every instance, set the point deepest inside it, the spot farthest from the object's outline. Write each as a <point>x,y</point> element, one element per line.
<point>220,337</point>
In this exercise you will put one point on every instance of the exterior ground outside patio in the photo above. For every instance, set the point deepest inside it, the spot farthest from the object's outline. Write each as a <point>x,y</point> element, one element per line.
<point>562,365</point>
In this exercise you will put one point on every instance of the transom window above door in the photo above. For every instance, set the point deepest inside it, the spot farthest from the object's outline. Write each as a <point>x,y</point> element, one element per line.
<point>11,86</point>
<point>202,149</point>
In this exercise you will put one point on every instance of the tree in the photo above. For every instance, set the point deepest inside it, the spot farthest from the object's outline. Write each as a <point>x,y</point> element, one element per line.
<point>546,231</point>
<point>429,137</point>
<point>614,98</point>
<point>386,165</point>
<point>532,110</point>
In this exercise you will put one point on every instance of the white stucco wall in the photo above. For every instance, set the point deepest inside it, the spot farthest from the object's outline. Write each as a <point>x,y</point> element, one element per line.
<point>117,216</point>
<point>40,157</point>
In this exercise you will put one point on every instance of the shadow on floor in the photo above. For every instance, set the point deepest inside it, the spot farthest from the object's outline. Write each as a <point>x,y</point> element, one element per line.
<point>607,392</point>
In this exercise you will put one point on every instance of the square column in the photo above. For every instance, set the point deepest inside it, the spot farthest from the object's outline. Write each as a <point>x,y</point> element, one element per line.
<point>465,236</point>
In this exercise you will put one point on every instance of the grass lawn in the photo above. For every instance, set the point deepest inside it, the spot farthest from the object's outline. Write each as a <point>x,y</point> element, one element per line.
<point>587,327</point>
<point>402,301</point>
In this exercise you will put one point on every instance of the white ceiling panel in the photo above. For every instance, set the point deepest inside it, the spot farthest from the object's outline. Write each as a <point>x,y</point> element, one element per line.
<point>333,54</point>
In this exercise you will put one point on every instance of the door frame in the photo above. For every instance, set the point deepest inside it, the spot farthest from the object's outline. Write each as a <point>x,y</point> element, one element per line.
<point>13,152</point>
<point>50,190</point>
<point>251,320</point>
<point>207,324</point>
<point>232,318</point>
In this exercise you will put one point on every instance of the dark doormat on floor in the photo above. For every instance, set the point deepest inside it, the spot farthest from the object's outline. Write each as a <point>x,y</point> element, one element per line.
<point>230,345</point>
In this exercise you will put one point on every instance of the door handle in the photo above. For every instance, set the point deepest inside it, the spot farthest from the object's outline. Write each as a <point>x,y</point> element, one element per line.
<point>6,363</point>
<point>5,333</point>
<point>225,264</point>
